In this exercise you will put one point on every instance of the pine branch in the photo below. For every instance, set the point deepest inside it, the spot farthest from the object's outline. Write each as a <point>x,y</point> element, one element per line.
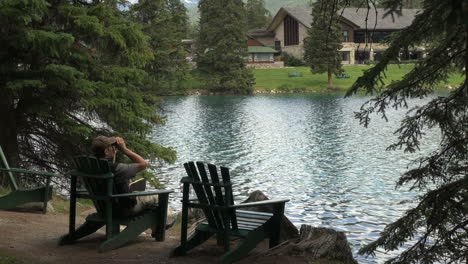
<point>435,210</point>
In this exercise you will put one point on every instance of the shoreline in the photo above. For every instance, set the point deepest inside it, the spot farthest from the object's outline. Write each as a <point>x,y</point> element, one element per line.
<point>327,91</point>
<point>31,238</point>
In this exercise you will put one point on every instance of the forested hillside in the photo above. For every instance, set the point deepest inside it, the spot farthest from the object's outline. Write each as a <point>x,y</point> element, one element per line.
<point>271,5</point>
<point>274,5</point>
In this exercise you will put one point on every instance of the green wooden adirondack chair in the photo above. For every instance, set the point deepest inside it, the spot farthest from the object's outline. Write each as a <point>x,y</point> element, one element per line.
<point>22,194</point>
<point>99,183</point>
<point>223,217</point>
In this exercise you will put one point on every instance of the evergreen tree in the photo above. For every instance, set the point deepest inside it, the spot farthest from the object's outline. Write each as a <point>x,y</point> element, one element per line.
<point>166,23</point>
<point>69,71</point>
<point>222,46</point>
<point>193,30</point>
<point>435,230</point>
<point>379,3</point>
<point>257,15</point>
<point>323,41</point>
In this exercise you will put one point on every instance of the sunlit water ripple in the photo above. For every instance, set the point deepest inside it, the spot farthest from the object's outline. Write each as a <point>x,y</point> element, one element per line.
<point>308,148</point>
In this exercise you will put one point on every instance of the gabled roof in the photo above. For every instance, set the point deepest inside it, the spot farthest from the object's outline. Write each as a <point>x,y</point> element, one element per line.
<point>302,17</point>
<point>357,16</point>
<point>354,16</point>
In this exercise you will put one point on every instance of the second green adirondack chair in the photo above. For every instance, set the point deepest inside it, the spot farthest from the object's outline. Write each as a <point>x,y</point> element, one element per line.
<point>21,194</point>
<point>223,218</point>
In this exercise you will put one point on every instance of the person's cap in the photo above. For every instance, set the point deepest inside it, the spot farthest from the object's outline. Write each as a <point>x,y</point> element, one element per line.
<point>102,142</point>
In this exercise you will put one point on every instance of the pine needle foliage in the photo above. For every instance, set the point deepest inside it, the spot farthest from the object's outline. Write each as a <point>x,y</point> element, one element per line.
<point>435,230</point>
<point>222,46</point>
<point>323,42</point>
<point>165,22</point>
<point>71,70</point>
<point>258,16</point>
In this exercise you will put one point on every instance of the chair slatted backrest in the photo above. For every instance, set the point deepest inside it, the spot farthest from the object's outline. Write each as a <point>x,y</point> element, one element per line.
<point>214,193</point>
<point>95,175</point>
<point>4,164</point>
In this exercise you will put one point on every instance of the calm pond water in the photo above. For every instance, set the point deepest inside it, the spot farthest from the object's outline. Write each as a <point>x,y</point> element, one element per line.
<point>308,148</point>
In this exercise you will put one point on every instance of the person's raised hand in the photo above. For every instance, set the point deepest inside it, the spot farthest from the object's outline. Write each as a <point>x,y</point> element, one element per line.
<point>120,143</point>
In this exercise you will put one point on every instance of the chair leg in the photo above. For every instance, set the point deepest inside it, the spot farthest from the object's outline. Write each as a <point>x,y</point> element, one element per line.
<point>245,246</point>
<point>47,195</point>
<point>161,218</point>
<point>196,239</point>
<point>131,232</point>
<point>223,239</point>
<point>85,229</point>
<point>274,225</point>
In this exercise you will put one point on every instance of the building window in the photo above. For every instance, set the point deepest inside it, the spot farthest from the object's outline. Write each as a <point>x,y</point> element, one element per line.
<point>360,37</point>
<point>291,31</point>
<point>264,57</point>
<point>345,36</point>
<point>278,45</point>
<point>345,56</point>
<point>371,36</point>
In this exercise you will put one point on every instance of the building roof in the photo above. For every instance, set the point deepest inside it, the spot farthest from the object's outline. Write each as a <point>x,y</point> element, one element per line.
<point>354,16</point>
<point>301,14</point>
<point>260,33</point>
<point>357,16</point>
<point>260,49</point>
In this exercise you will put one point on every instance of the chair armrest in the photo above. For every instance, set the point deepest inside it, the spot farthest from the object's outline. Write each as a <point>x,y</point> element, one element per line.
<point>266,202</point>
<point>41,173</point>
<point>134,194</point>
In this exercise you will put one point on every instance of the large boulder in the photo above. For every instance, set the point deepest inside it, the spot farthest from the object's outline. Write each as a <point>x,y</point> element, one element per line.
<point>288,229</point>
<point>319,244</point>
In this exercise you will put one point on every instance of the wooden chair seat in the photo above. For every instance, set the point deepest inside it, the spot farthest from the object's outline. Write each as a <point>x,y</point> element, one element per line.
<point>246,221</point>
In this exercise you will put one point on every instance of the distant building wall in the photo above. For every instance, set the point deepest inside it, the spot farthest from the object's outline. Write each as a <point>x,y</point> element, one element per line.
<point>295,50</point>
<point>276,64</point>
<point>279,34</point>
<point>349,49</point>
<point>350,30</point>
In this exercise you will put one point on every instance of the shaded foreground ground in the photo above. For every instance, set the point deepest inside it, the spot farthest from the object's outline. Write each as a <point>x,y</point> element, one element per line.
<point>32,239</point>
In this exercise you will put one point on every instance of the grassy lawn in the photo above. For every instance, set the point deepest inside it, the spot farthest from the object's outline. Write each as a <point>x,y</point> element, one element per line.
<point>277,79</point>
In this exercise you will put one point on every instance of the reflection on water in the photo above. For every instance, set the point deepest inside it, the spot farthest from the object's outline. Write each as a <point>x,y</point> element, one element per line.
<point>308,148</point>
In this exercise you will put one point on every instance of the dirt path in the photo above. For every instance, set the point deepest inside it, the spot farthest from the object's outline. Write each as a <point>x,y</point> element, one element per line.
<point>32,237</point>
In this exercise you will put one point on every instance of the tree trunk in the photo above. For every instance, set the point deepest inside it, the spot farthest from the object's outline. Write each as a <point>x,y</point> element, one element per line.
<point>466,65</point>
<point>317,244</point>
<point>330,79</point>
<point>8,133</point>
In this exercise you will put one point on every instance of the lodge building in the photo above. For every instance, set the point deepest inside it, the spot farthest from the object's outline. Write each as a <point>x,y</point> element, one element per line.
<point>362,40</point>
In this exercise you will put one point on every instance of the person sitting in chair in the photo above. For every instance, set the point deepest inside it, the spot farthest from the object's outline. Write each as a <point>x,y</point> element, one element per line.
<point>106,148</point>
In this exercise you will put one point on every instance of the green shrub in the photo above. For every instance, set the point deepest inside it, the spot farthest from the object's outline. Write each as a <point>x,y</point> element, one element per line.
<point>290,60</point>
<point>284,87</point>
